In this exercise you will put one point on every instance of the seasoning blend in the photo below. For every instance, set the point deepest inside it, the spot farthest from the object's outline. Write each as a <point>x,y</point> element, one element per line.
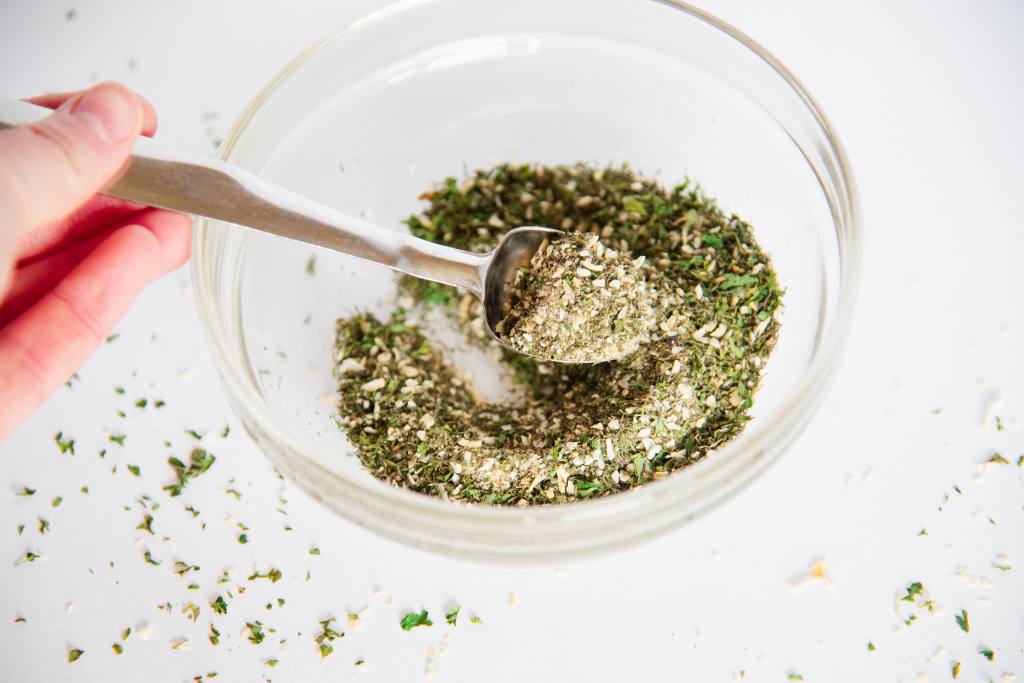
<point>579,302</point>
<point>691,320</point>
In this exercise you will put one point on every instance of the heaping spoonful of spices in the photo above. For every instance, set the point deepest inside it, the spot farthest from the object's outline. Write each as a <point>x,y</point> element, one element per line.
<point>578,302</point>
<point>212,188</point>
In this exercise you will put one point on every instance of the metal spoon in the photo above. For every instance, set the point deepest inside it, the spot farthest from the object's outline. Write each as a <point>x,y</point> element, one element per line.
<point>211,188</point>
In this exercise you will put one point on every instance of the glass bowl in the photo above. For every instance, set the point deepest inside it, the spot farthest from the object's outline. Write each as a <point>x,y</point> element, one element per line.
<point>378,111</point>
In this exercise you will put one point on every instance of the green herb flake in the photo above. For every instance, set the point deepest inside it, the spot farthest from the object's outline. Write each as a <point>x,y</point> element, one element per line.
<point>314,551</point>
<point>956,670</point>
<point>113,337</point>
<point>997,458</point>
<point>73,655</point>
<point>56,501</point>
<point>962,621</point>
<point>183,568</point>
<point>25,491</point>
<point>413,619</point>
<point>117,438</point>
<point>987,654</point>
<point>311,264</point>
<point>141,403</point>
<point>274,574</point>
<point>199,462</point>
<point>28,557</point>
<point>66,445</point>
<point>272,662</point>
<point>327,635</point>
<point>452,615</point>
<point>116,647</point>
<point>191,610</point>
<point>871,647</point>
<point>149,558</point>
<point>243,538</point>
<point>913,591</point>
<point>256,634</point>
<point>476,620</point>
<point>146,524</point>
<point>214,635</point>
<point>219,606</point>
<point>44,526</point>
<point>135,470</point>
<point>125,633</point>
<point>794,677</point>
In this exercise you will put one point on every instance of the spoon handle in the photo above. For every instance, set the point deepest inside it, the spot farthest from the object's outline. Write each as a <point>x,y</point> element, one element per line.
<point>211,188</point>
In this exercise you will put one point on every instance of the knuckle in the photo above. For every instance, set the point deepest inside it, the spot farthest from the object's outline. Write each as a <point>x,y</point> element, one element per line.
<point>63,140</point>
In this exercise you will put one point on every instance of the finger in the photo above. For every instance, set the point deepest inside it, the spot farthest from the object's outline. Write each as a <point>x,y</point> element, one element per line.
<point>34,279</point>
<point>98,213</point>
<point>55,99</point>
<point>53,166</point>
<point>41,348</point>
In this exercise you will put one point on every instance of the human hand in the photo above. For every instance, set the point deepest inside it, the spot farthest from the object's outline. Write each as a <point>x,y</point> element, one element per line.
<point>72,261</point>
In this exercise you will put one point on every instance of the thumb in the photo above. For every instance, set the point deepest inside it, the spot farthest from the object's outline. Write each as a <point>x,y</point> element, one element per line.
<point>50,168</point>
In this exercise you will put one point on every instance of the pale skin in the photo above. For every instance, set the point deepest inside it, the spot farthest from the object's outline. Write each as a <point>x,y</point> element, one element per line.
<point>72,260</point>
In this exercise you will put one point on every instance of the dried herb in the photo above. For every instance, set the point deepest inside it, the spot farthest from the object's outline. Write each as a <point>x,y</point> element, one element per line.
<point>146,524</point>
<point>273,574</point>
<point>256,634</point>
<point>453,615</point>
<point>577,431</point>
<point>28,557</point>
<point>913,590</point>
<point>65,445</point>
<point>581,302</point>
<point>413,619</point>
<point>327,635</point>
<point>962,621</point>
<point>199,462</point>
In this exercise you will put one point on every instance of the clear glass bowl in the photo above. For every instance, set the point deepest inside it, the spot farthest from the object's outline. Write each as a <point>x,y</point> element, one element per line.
<point>371,116</point>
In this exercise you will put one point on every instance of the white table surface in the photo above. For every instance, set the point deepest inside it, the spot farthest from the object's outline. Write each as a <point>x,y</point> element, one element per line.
<point>928,98</point>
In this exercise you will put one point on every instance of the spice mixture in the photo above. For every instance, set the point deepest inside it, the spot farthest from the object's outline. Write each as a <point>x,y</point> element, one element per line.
<point>578,431</point>
<point>580,302</point>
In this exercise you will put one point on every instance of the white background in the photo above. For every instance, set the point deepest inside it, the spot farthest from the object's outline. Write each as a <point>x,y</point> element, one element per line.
<point>928,98</point>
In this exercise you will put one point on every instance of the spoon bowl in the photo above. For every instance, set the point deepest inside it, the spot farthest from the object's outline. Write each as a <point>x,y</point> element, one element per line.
<point>499,269</point>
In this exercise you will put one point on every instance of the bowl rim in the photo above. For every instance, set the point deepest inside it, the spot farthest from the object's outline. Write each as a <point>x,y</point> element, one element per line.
<point>796,409</point>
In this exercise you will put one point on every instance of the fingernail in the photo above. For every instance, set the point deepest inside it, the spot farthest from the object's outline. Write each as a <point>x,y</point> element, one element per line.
<point>109,111</point>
